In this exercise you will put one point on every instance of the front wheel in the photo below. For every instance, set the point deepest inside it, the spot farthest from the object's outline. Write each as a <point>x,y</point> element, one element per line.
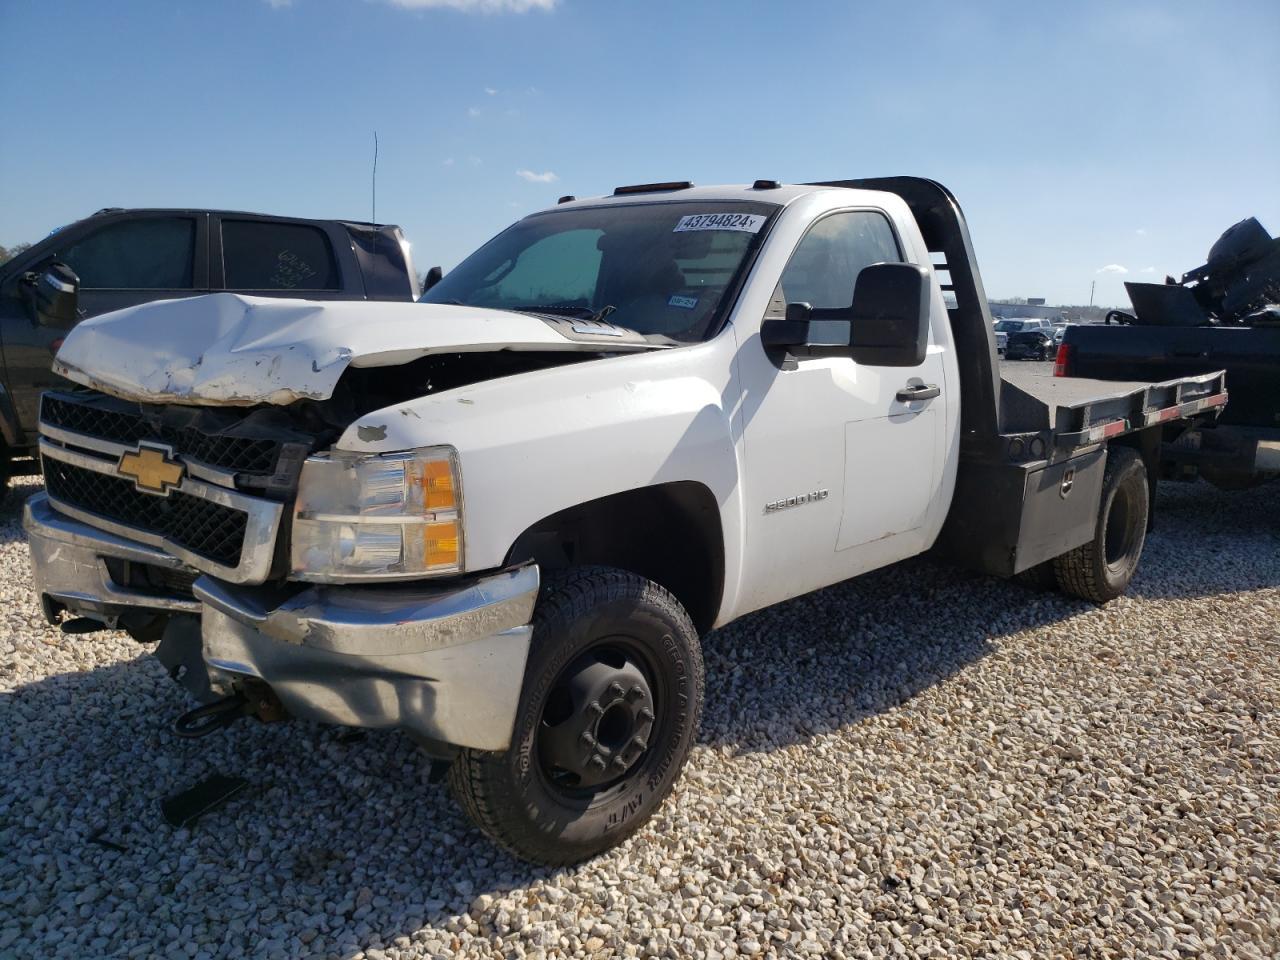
<point>1101,569</point>
<point>612,695</point>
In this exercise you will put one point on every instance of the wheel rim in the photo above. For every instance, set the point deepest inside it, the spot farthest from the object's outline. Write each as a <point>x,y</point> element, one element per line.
<point>598,720</point>
<point>1119,536</point>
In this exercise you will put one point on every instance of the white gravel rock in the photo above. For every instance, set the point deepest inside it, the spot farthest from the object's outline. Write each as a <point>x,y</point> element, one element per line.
<point>919,763</point>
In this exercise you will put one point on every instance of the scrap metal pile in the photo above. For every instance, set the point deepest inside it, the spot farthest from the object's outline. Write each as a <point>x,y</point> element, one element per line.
<point>1238,285</point>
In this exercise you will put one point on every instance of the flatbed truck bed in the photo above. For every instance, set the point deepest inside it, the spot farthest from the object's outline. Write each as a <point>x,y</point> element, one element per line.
<point>1032,455</point>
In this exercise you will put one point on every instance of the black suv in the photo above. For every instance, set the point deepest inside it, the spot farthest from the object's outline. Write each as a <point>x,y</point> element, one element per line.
<point>125,257</point>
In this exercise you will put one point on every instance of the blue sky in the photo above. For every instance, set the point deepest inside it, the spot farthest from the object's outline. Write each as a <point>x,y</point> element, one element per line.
<point>1080,137</point>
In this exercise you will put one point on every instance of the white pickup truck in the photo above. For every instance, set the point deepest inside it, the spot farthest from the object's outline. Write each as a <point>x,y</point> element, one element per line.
<point>500,519</point>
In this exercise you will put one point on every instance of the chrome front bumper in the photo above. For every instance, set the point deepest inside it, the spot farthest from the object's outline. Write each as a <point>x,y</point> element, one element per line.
<point>69,565</point>
<point>442,661</point>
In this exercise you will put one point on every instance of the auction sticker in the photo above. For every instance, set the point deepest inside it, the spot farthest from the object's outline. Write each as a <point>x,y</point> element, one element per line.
<point>743,222</point>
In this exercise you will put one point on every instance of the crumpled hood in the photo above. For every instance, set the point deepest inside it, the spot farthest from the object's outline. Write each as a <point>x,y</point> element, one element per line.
<point>227,349</point>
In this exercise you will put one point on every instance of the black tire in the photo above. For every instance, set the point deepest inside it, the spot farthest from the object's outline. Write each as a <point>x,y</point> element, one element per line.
<point>601,617</point>
<point>1101,569</point>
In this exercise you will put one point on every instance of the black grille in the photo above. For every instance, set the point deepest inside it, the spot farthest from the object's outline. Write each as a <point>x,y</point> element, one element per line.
<point>205,528</point>
<point>239,454</point>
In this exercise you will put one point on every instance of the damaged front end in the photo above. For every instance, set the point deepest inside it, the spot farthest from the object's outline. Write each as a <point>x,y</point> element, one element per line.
<point>175,522</point>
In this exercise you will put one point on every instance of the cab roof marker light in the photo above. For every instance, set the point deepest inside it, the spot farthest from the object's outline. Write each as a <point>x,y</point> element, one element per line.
<point>652,187</point>
<point>766,185</point>
<point>567,198</point>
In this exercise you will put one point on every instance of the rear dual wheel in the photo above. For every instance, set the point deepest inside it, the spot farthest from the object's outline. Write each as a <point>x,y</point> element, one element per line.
<point>1101,569</point>
<point>608,714</point>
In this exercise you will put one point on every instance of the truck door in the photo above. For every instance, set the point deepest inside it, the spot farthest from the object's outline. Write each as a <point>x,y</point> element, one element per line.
<point>842,459</point>
<point>127,260</point>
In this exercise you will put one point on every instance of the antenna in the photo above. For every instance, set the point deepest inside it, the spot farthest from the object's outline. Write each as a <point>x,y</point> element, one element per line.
<point>373,214</point>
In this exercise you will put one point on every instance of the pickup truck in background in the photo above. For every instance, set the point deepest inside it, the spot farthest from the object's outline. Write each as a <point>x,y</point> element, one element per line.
<point>1224,315</point>
<point>500,519</point>
<point>120,258</point>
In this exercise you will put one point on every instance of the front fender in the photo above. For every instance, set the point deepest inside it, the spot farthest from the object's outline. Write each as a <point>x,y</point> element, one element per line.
<point>534,444</point>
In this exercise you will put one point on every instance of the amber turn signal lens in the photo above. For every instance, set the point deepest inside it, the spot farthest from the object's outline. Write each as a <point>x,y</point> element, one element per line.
<point>437,486</point>
<point>440,544</point>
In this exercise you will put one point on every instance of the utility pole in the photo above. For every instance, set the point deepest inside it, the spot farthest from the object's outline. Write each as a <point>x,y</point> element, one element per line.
<point>1092,284</point>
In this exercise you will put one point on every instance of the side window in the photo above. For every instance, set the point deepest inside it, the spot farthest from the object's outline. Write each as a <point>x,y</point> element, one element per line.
<point>261,255</point>
<point>826,264</point>
<point>155,253</point>
<point>564,266</point>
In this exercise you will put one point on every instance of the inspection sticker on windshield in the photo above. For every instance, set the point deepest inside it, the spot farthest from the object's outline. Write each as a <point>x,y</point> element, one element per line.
<point>744,222</point>
<point>684,303</point>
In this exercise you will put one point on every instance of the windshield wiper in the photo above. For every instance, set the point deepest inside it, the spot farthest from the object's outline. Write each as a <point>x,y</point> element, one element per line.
<point>556,309</point>
<point>568,310</point>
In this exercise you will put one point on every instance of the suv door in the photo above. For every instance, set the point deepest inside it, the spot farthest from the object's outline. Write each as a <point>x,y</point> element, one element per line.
<point>121,261</point>
<point>267,257</point>
<point>841,472</point>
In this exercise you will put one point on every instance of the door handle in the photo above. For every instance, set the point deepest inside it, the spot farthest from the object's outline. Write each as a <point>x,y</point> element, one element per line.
<point>919,391</point>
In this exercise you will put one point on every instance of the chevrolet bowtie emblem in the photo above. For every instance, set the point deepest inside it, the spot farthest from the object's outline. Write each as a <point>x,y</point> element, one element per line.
<point>151,469</point>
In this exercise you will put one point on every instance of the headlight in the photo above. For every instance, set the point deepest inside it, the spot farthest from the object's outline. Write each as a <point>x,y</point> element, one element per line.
<point>361,516</point>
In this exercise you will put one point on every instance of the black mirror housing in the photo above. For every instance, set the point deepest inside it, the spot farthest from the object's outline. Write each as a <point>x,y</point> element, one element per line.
<point>434,276</point>
<point>56,295</point>
<point>807,332</point>
<point>887,325</point>
<point>889,319</point>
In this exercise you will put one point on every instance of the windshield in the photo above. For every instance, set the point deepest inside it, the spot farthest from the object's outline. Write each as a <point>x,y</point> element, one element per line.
<point>1009,326</point>
<point>663,268</point>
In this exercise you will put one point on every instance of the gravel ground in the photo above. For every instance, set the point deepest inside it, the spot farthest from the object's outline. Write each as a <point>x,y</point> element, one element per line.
<point>918,763</point>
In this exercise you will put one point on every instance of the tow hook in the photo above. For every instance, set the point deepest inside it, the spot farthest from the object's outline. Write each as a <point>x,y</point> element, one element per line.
<point>211,717</point>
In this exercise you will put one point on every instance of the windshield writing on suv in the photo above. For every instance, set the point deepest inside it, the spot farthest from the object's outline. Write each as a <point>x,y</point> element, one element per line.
<point>664,268</point>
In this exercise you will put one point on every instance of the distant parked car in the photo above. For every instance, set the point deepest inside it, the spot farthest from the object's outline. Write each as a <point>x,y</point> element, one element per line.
<point>118,258</point>
<point>1059,329</point>
<point>1023,325</point>
<point>1031,339</point>
<point>1002,342</point>
<point>1031,345</point>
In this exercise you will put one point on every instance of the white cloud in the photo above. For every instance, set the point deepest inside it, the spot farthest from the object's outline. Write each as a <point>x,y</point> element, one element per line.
<point>490,91</point>
<point>473,111</point>
<point>277,4</point>
<point>447,161</point>
<point>1148,270</point>
<point>1141,231</point>
<point>478,6</point>
<point>1113,268</point>
<point>532,177</point>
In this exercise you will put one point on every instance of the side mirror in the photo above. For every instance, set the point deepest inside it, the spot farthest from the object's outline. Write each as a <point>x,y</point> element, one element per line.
<point>53,296</point>
<point>434,276</point>
<point>803,334</point>
<point>886,326</point>
<point>890,315</point>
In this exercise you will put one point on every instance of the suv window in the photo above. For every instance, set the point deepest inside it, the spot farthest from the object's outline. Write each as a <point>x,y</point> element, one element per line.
<point>155,253</point>
<point>826,264</point>
<point>260,255</point>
